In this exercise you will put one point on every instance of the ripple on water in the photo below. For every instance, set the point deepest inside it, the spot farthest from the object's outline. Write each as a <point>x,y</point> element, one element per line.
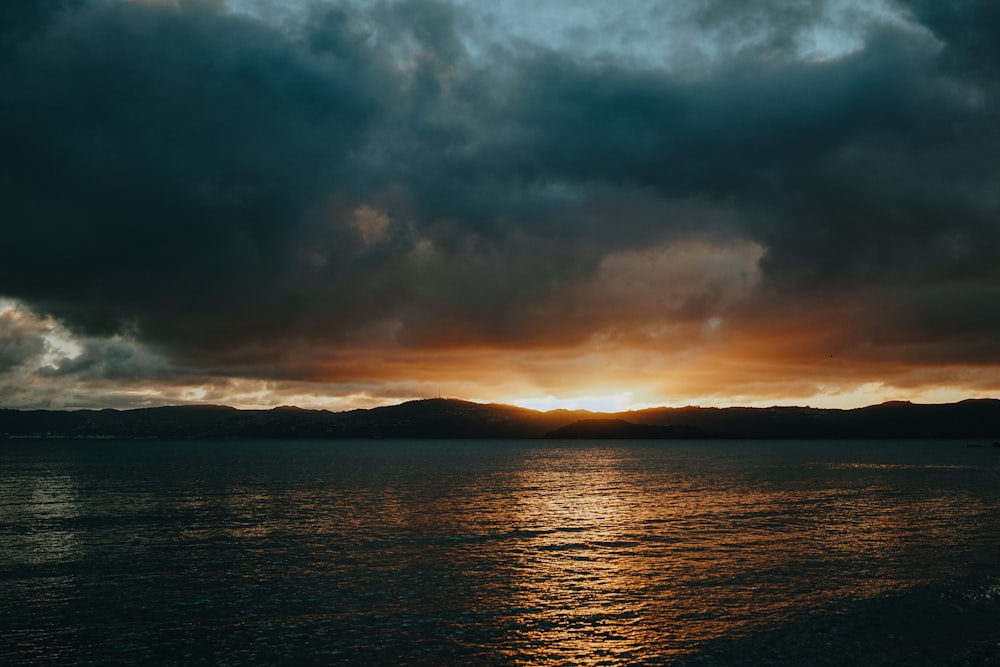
<point>500,553</point>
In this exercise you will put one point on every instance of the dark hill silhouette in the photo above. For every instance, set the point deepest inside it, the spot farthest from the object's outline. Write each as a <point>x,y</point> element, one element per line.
<point>451,418</point>
<point>619,429</point>
<point>973,418</point>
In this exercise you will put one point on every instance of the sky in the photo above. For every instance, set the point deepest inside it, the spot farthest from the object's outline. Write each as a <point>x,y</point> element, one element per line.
<point>547,203</point>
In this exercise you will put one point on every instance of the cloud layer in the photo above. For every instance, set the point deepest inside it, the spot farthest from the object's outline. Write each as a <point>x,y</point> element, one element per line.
<point>407,198</point>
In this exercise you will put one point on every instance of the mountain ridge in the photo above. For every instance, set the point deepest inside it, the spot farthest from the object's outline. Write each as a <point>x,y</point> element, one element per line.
<point>455,418</point>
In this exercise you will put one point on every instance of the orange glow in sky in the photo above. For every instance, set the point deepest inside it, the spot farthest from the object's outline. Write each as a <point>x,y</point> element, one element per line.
<point>600,206</point>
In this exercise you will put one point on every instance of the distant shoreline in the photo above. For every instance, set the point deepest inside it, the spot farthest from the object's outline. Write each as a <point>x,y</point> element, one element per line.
<point>974,419</point>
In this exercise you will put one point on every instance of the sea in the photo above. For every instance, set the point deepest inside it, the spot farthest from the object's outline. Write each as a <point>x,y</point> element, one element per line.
<point>472,552</point>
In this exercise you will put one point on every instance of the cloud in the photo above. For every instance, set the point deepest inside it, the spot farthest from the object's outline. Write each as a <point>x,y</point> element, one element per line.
<point>248,198</point>
<point>21,338</point>
<point>44,364</point>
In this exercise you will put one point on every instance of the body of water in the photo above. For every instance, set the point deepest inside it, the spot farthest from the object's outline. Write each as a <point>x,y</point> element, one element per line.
<point>499,553</point>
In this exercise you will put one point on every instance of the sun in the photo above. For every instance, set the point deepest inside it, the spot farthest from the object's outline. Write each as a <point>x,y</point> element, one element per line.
<point>615,402</point>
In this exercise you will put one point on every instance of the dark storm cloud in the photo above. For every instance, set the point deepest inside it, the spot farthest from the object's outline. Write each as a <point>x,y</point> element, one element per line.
<point>236,192</point>
<point>20,340</point>
<point>161,161</point>
<point>970,31</point>
<point>109,359</point>
<point>20,21</point>
<point>832,165</point>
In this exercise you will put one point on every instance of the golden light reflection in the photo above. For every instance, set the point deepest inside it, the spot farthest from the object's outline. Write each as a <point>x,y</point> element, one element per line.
<point>540,554</point>
<point>554,554</point>
<point>617,564</point>
<point>580,589</point>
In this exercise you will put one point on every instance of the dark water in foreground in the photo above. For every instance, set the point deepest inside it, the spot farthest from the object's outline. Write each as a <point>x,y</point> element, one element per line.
<point>499,553</point>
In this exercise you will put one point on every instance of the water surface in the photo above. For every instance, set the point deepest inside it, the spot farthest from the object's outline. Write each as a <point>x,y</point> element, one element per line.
<point>506,553</point>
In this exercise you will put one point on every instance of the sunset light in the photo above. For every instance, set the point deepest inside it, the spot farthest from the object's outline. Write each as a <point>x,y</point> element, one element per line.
<point>611,403</point>
<point>557,205</point>
<point>521,333</point>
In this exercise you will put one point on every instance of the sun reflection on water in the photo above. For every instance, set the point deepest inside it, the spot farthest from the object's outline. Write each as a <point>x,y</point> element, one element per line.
<point>617,561</point>
<point>576,591</point>
<point>465,553</point>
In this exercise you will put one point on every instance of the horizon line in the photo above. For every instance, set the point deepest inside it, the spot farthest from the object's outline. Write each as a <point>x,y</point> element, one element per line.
<point>490,403</point>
